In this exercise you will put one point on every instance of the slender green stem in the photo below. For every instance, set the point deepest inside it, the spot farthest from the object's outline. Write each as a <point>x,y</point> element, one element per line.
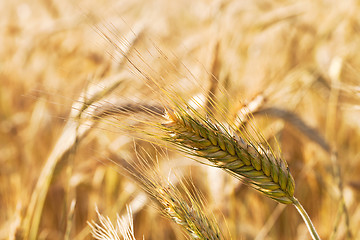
<point>306,219</point>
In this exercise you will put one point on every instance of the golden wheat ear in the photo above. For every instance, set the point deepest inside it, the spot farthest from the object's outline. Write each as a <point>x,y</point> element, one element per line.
<point>240,156</point>
<point>175,200</point>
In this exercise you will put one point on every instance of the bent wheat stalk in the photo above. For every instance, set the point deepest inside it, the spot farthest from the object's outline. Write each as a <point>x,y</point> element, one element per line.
<point>238,155</point>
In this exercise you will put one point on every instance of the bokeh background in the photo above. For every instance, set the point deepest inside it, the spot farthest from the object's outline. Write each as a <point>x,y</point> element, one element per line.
<point>300,58</point>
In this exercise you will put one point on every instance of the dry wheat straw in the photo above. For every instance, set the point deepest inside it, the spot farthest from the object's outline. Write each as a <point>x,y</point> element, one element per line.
<point>298,123</point>
<point>74,131</point>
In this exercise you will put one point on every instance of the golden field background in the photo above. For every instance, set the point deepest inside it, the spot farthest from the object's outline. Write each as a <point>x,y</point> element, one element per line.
<point>299,56</point>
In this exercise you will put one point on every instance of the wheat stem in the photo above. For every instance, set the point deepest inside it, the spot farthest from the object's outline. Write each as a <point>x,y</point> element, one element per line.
<point>306,219</point>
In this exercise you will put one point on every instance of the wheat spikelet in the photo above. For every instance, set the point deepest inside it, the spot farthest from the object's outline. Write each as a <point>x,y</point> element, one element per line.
<point>187,212</point>
<point>105,229</point>
<point>175,201</point>
<point>246,160</point>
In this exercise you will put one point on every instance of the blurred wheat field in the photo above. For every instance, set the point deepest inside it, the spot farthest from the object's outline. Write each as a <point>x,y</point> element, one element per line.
<point>293,64</point>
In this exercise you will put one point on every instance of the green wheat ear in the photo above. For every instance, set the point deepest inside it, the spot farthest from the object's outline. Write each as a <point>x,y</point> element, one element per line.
<point>239,155</point>
<point>246,160</point>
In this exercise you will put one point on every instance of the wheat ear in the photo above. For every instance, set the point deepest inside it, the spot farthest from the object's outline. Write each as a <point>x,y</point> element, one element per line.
<point>243,158</point>
<point>105,229</point>
<point>176,202</point>
<point>247,161</point>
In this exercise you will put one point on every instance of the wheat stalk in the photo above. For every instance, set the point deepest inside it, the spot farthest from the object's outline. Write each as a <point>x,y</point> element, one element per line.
<point>240,156</point>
